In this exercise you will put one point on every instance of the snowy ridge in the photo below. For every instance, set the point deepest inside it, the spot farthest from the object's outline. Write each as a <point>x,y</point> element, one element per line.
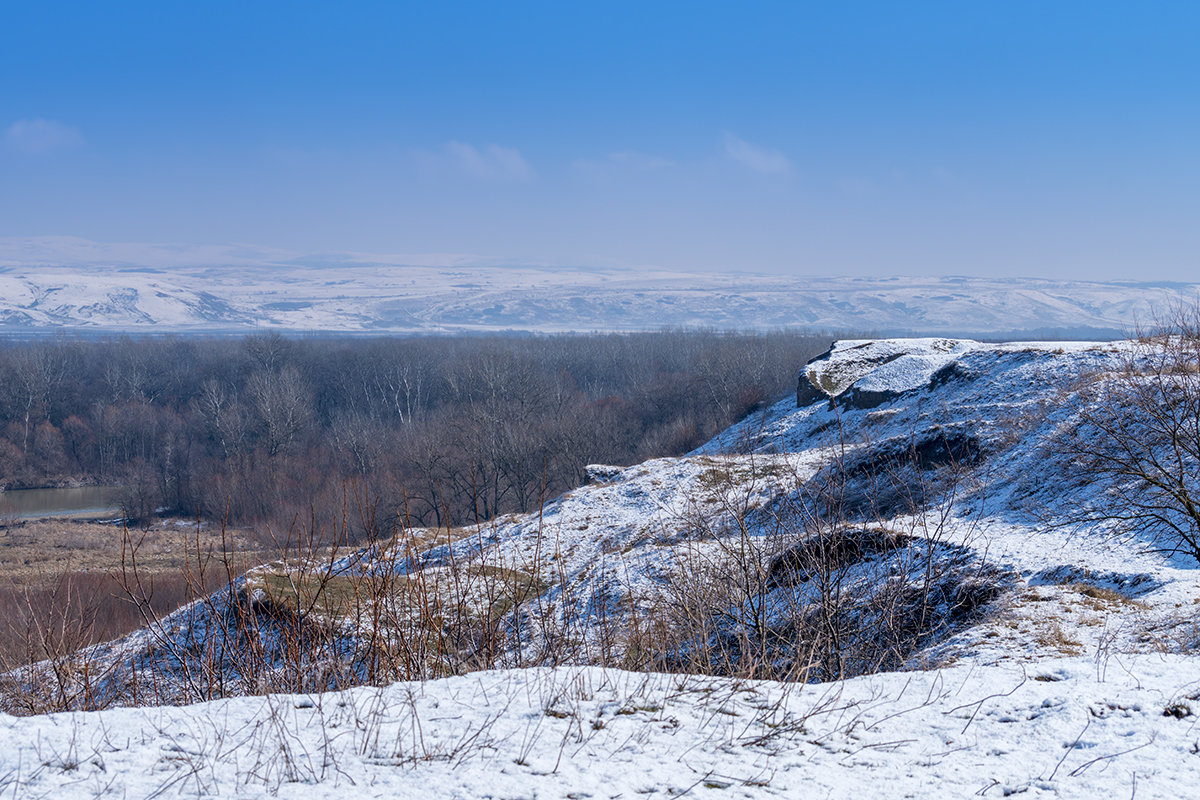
<point>1073,674</point>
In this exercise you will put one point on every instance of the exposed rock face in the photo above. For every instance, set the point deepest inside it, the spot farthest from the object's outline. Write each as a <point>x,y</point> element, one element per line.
<point>602,473</point>
<point>865,398</point>
<point>807,392</point>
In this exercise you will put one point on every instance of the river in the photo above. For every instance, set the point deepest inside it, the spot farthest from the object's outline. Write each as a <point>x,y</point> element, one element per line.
<point>74,501</point>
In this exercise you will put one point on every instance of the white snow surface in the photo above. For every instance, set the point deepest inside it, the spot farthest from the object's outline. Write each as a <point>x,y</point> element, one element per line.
<point>1075,727</point>
<point>1082,681</point>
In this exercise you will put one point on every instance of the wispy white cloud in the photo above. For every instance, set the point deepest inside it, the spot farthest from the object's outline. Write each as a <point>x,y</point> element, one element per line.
<point>640,161</point>
<point>41,136</point>
<point>756,157</point>
<point>490,162</point>
<point>621,163</point>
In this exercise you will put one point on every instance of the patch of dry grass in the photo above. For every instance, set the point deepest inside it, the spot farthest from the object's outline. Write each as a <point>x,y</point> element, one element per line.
<point>33,551</point>
<point>1099,598</point>
<point>1054,636</point>
<point>345,598</point>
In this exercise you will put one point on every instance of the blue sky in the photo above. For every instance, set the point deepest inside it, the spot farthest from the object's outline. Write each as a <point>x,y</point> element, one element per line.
<point>868,138</point>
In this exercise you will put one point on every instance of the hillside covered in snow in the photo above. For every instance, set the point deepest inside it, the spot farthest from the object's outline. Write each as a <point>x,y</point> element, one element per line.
<point>902,577</point>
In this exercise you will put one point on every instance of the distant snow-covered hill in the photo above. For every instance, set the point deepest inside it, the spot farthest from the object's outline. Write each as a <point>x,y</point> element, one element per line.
<point>380,298</point>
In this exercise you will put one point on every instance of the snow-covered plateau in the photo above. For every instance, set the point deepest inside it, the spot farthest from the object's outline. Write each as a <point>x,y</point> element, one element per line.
<point>86,288</point>
<point>886,577</point>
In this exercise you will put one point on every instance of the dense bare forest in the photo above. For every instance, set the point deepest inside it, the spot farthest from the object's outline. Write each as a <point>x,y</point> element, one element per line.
<point>434,430</point>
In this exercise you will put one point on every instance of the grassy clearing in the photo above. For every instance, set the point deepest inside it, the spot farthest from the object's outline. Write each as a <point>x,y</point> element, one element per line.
<point>60,585</point>
<point>31,550</point>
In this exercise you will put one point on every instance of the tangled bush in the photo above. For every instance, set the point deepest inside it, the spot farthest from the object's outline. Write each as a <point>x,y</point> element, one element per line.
<point>1136,434</point>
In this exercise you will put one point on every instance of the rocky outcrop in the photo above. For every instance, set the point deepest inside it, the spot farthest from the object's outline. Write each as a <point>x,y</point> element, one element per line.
<point>602,473</point>
<point>865,374</point>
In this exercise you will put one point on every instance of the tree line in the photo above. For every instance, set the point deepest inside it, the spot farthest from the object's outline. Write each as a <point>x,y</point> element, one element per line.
<point>434,430</point>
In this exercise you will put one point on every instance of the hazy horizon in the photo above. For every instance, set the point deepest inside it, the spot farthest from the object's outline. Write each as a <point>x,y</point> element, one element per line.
<point>798,139</point>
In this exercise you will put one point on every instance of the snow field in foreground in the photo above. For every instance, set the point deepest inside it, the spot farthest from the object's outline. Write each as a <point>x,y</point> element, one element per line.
<point>1064,728</point>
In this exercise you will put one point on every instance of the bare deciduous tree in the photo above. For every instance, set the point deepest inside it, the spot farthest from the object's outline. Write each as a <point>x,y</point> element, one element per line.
<point>1137,433</point>
<point>284,405</point>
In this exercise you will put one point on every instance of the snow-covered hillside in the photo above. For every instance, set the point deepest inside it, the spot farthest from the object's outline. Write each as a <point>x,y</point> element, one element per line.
<point>909,498</point>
